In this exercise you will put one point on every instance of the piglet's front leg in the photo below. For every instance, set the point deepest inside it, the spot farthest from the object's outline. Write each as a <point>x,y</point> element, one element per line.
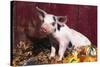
<point>53,51</point>
<point>62,48</point>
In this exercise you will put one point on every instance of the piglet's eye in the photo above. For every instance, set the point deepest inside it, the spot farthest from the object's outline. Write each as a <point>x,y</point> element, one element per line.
<point>53,23</point>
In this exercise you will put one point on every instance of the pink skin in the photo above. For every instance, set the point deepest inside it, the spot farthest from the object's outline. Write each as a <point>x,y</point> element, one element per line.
<point>63,36</point>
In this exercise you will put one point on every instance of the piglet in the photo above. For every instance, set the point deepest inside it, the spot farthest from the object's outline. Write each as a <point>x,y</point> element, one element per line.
<point>55,26</point>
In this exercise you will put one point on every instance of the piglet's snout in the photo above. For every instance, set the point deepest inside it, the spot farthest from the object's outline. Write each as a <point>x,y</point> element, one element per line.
<point>43,30</point>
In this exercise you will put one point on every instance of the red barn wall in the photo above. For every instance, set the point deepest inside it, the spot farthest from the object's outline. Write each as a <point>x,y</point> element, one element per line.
<point>82,18</point>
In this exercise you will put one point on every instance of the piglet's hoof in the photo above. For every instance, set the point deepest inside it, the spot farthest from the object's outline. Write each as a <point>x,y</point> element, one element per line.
<point>50,58</point>
<point>59,61</point>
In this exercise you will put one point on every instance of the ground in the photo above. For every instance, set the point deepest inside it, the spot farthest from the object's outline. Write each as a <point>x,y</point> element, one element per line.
<point>27,54</point>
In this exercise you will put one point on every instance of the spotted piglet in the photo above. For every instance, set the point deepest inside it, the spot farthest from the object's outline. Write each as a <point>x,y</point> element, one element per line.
<point>55,26</point>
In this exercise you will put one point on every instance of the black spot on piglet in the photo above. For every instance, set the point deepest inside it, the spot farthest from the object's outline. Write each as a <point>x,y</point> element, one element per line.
<point>70,45</point>
<point>59,26</point>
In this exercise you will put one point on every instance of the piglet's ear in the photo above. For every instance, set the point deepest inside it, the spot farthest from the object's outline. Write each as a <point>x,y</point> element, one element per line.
<point>62,19</point>
<point>41,13</point>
